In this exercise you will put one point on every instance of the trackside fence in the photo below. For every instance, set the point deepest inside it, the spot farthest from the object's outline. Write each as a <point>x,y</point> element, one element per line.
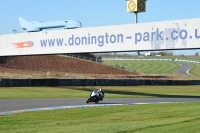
<point>194,61</point>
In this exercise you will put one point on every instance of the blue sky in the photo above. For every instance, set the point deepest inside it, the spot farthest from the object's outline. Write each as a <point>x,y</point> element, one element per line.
<point>94,13</point>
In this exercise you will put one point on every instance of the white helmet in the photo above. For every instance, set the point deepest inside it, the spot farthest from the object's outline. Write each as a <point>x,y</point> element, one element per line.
<point>100,89</point>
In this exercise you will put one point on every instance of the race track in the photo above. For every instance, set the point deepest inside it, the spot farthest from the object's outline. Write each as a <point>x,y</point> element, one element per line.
<point>184,68</point>
<point>9,106</point>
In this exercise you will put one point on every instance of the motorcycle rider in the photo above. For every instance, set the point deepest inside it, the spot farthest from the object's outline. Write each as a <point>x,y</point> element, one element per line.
<point>101,92</point>
<point>96,96</point>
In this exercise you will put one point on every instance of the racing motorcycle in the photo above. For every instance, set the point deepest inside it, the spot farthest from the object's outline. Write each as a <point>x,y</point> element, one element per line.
<point>96,96</point>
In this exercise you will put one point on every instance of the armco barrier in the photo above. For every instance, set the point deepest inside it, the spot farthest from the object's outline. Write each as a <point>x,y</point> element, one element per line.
<point>194,61</point>
<point>92,82</point>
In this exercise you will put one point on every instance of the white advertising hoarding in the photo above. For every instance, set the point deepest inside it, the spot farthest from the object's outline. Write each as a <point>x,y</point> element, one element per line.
<point>167,35</point>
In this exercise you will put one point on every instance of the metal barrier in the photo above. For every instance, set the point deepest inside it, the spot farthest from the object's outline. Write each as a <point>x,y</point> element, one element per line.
<point>195,61</point>
<point>118,66</point>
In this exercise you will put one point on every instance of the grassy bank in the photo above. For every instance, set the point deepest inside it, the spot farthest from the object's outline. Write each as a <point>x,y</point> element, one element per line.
<point>168,118</point>
<point>110,91</point>
<point>151,67</point>
<point>195,70</point>
<point>154,67</point>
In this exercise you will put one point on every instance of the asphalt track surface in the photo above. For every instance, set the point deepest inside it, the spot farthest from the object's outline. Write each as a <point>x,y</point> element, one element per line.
<point>184,68</point>
<point>8,105</point>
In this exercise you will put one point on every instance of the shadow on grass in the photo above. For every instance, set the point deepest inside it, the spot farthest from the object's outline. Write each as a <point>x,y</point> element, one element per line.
<point>101,102</point>
<point>128,93</point>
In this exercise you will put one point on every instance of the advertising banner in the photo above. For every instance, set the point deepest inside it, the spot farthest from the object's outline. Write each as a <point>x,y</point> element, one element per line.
<point>166,35</point>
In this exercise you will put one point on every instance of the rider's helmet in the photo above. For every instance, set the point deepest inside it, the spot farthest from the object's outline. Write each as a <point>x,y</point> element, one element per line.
<point>100,90</point>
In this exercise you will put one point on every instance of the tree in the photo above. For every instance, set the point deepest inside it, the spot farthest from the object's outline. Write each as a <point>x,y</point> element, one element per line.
<point>166,53</point>
<point>196,54</point>
<point>162,53</point>
<point>153,53</point>
<point>170,53</point>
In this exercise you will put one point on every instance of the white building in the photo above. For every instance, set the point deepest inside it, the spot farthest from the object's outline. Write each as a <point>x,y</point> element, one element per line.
<point>147,54</point>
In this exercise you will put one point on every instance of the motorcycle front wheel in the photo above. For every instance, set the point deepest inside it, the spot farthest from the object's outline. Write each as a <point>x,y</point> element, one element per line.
<point>88,101</point>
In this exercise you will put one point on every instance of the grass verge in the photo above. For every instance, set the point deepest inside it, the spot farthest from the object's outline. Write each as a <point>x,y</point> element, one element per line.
<point>195,70</point>
<point>168,118</point>
<point>110,92</point>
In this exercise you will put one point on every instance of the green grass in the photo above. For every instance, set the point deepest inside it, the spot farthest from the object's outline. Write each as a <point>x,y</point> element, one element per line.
<point>170,118</point>
<point>151,67</point>
<point>197,57</point>
<point>158,118</point>
<point>195,69</point>
<point>110,92</point>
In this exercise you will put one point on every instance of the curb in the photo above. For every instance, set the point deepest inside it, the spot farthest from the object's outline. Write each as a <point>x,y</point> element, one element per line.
<point>76,106</point>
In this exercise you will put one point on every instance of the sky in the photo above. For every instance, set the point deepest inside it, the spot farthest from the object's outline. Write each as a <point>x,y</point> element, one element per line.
<point>93,13</point>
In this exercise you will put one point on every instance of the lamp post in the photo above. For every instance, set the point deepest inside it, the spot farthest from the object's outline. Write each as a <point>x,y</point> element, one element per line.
<point>136,17</point>
<point>136,6</point>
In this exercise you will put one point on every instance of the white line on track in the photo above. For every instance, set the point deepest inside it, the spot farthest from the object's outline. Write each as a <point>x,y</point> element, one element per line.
<point>177,68</point>
<point>77,106</point>
<point>186,71</point>
<point>189,70</point>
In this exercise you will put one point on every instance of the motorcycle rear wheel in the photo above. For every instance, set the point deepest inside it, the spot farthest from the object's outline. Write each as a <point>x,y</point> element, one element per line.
<point>96,101</point>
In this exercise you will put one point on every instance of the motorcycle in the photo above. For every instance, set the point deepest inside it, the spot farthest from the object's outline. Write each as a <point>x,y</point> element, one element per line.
<point>96,96</point>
